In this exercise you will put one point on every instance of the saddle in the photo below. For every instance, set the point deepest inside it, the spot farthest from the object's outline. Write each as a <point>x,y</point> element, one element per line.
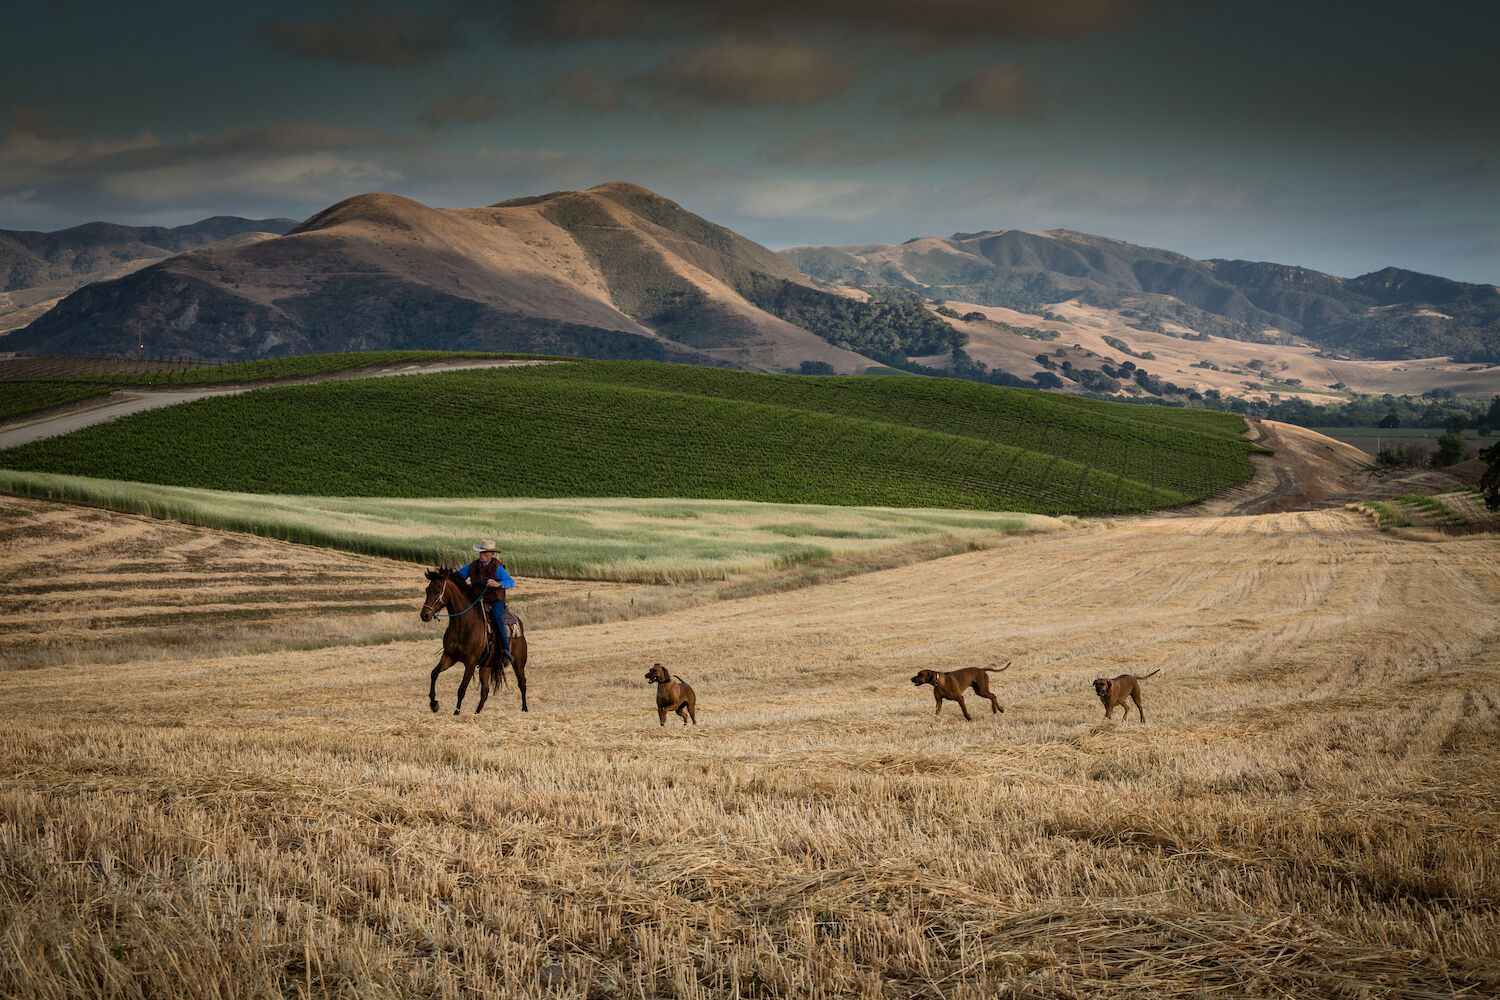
<point>513,629</point>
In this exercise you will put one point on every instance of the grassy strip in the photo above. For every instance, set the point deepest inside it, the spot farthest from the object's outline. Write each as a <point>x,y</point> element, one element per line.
<point>648,541</point>
<point>650,430</point>
<point>1429,505</point>
<point>299,366</point>
<point>1386,516</point>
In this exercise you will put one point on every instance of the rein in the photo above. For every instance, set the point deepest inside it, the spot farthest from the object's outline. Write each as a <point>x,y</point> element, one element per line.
<point>455,614</point>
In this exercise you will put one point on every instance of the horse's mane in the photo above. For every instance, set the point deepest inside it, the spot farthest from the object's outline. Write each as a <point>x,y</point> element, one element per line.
<point>457,577</point>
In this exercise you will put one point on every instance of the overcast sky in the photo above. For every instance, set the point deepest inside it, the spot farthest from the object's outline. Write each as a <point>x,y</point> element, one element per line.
<point>1342,136</point>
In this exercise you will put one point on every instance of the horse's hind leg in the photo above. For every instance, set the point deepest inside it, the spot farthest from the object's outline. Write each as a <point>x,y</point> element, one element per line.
<point>518,652</point>
<point>484,687</point>
<point>463,686</point>
<point>443,663</point>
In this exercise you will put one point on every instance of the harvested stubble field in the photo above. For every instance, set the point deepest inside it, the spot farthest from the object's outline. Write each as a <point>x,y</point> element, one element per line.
<point>1310,810</point>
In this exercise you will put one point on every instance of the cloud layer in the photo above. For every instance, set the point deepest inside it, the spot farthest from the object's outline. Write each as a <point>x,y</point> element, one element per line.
<point>750,74</point>
<point>403,39</point>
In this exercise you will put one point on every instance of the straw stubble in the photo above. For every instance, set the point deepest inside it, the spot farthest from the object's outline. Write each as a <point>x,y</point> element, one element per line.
<point>1310,809</point>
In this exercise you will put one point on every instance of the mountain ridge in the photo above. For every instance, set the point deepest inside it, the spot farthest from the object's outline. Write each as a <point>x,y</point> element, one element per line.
<point>38,268</point>
<point>1245,300</point>
<point>617,271</point>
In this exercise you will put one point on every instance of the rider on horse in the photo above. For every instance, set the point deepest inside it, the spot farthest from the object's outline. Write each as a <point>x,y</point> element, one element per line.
<point>487,574</point>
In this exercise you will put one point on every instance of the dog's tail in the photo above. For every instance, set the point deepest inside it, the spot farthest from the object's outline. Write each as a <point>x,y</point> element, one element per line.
<point>996,670</point>
<point>1151,674</point>
<point>678,679</point>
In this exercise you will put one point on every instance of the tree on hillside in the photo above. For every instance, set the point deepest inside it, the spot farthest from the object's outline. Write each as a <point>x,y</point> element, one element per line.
<point>1389,421</point>
<point>1490,419</point>
<point>1489,483</point>
<point>1450,450</point>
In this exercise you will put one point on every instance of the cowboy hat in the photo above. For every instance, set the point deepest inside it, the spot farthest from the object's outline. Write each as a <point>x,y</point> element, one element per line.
<point>485,545</point>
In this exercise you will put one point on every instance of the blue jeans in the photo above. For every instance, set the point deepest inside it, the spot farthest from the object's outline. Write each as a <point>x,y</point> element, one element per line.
<point>497,616</point>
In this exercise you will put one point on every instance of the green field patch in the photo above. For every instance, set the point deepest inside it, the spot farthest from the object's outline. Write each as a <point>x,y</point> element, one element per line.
<point>628,429</point>
<point>22,395</point>
<point>20,399</point>
<point>591,539</point>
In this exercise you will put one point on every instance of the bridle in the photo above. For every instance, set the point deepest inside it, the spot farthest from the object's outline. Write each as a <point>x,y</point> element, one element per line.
<point>442,601</point>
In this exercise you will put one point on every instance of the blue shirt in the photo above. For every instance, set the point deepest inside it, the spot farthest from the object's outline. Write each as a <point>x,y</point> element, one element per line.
<point>500,574</point>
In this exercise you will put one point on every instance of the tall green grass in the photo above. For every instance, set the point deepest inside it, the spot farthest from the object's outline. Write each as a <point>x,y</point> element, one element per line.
<point>652,541</point>
<point>629,429</point>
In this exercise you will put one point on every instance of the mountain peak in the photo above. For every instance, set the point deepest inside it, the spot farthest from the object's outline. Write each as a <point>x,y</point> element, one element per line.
<point>625,188</point>
<point>376,206</point>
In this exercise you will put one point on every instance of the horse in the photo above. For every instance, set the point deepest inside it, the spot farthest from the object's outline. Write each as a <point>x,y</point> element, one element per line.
<point>464,639</point>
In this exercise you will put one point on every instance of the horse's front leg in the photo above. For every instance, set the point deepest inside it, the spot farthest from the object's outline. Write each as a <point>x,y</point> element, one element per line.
<point>444,662</point>
<point>463,686</point>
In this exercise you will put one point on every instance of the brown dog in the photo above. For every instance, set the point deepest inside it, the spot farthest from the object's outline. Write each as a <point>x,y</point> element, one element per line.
<point>1114,690</point>
<point>951,684</point>
<point>672,695</point>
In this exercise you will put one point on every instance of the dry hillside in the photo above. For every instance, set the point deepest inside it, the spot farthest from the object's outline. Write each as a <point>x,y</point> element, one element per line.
<point>1309,809</point>
<point>1244,329</point>
<point>1080,331</point>
<point>614,271</point>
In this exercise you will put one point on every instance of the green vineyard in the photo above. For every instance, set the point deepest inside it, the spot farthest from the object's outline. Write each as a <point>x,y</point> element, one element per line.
<point>640,429</point>
<point>33,385</point>
<point>20,399</point>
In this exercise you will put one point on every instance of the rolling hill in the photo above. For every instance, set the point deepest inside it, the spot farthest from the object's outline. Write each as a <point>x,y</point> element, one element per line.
<point>615,271</point>
<point>37,269</point>
<point>611,429</point>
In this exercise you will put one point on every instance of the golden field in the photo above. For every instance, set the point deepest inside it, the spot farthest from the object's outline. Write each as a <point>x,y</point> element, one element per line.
<point>219,776</point>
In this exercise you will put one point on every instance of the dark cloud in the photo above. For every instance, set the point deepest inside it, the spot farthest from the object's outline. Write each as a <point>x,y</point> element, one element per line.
<point>749,74</point>
<point>392,39</point>
<point>589,87</point>
<point>470,104</point>
<point>1000,90</point>
<point>300,166</point>
<point>38,122</point>
<point>829,147</point>
<point>932,21</point>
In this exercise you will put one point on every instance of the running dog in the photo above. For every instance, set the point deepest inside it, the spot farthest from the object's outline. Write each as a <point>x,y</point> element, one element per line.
<point>951,684</point>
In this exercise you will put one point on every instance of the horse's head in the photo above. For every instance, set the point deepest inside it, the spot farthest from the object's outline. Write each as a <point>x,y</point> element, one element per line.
<point>437,592</point>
